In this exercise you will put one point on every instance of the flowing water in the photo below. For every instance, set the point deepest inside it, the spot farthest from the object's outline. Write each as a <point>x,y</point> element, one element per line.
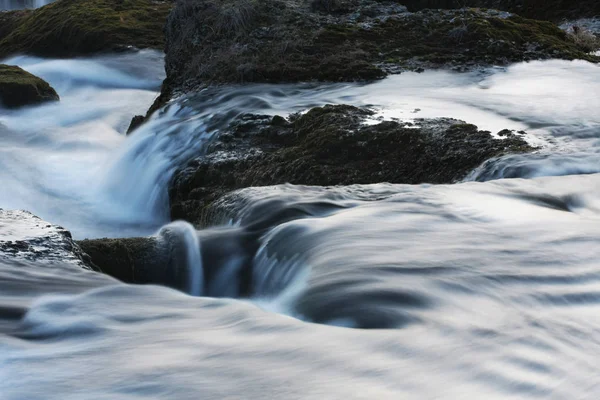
<point>488,288</point>
<point>11,5</point>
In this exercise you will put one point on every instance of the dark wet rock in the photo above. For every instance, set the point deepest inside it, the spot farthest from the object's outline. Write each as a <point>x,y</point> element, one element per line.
<point>126,259</point>
<point>25,237</point>
<point>554,10</point>
<point>162,259</point>
<point>10,20</point>
<point>73,27</point>
<point>135,123</point>
<point>505,132</point>
<point>332,145</point>
<point>20,88</point>
<point>224,41</point>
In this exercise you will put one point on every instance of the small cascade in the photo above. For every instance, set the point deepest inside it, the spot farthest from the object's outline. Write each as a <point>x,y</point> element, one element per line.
<point>184,247</point>
<point>139,174</point>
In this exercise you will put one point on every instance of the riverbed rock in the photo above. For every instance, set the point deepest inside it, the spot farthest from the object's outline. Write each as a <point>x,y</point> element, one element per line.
<point>78,27</point>
<point>332,145</point>
<point>168,259</point>
<point>125,258</point>
<point>25,237</point>
<point>9,21</point>
<point>20,88</point>
<point>554,10</point>
<point>224,41</point>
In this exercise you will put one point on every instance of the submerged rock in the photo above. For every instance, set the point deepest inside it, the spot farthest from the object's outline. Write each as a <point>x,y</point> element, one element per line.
<point>25,237</point>
<point>74,27</point>
<point>20,88</point>
<point>332,145</point>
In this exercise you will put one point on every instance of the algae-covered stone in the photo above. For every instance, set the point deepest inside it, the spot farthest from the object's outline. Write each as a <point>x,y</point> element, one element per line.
<point>19,88</point>
<point>333,145</point>
<point>216,41</point>
<point>9,20</point>
<point>73,27</point>
<point>554,10</point>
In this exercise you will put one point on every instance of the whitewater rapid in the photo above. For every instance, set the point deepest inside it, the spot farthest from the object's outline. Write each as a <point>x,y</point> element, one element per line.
<point>489,288</point>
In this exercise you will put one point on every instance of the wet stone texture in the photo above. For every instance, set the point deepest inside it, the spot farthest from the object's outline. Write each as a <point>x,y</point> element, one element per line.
<point>333,145</point>
<point>25,237</point>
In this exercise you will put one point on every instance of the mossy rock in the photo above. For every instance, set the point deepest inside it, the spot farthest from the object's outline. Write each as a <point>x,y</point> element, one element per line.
<point>79,27</point>
<point>10,20</point>
<point>224,41</point>
<point>20,88</point>
<point>554,10</point>
<point>333,145</point>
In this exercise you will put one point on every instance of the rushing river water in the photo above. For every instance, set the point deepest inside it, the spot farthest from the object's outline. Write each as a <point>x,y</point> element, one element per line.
<point>473,290</point>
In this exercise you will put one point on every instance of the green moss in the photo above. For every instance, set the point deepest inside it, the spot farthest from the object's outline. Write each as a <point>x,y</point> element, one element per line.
<point>468,36</point>
<point>554,10</point>
<point>9,20</point>
<point>283,42</point>
<point>19,88</point>
<point>331,145</point>
<point>71,27</point>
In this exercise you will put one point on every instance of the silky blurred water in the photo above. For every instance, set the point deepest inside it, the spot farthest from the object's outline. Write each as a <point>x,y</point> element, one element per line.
<point>71,163</point>
<point>471,290</point>
<point>485,289</point>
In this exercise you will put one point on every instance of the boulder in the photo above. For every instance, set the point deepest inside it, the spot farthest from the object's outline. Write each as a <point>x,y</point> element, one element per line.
<point>224,41</point>
<point>332,145</point>
<point>20,88</point>
<point>554,10</point>
<point>27,238</point>
<point>77,27</point>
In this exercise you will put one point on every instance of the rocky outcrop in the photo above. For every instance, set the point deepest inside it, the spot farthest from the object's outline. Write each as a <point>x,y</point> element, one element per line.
<point>554,10</point>
<point>333,145</point>
<point>25,237</point>
<point>219,41</point>
<point>75,27</point>
<point>20,88</point>
<point>213,42</point>
<point>174,258</point>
